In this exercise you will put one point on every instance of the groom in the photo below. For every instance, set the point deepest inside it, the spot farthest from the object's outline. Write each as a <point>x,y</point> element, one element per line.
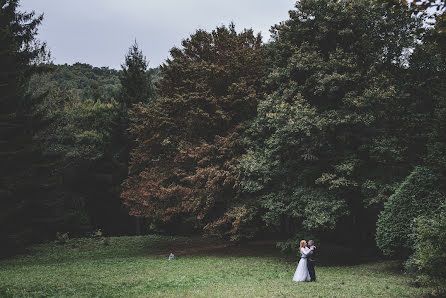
<point>310,260</point>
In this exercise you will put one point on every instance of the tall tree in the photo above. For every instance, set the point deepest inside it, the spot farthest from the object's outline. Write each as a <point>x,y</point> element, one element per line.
<point>136,88</point>
<point>136,83</point>
<point>334,134</point>
<point>19,53</point>
<point>183,170</point>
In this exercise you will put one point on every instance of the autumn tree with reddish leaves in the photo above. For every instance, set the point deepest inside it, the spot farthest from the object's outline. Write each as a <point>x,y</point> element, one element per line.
<point>184,170</point>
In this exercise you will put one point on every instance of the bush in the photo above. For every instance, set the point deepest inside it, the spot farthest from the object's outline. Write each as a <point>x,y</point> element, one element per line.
<point>62,238</point>
<point>429,258</point>
<point>96,233</point>
<point>416,196</point>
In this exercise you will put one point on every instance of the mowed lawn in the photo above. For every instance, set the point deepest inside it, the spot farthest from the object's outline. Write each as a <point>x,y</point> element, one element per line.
<point>138,266</point>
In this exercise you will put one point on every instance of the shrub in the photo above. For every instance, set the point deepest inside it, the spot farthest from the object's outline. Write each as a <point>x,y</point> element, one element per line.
<point>429,258</point>
<point>62,238</point>
<point>416,196</point>
<point>96,233</point>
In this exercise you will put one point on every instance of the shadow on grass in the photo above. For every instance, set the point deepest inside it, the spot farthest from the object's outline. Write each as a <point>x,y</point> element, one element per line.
<point>87,249</point>
<point>328,255</point>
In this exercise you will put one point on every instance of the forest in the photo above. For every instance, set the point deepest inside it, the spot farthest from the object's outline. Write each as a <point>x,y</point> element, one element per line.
<point>333,130</point>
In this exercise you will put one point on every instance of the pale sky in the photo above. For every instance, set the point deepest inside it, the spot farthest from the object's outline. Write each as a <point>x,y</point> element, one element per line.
<point>99,32</point>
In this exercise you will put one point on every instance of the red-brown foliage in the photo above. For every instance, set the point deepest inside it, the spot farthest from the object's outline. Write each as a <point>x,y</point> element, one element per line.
<point>189,141</point>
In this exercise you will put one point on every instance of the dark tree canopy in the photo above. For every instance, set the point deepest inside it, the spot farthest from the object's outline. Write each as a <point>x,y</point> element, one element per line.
<point>19,51</point>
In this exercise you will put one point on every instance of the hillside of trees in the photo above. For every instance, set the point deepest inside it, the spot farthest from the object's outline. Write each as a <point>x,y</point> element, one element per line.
<point>334,130</point>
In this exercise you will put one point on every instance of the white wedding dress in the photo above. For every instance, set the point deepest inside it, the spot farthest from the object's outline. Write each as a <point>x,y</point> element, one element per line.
<point>302,273</point>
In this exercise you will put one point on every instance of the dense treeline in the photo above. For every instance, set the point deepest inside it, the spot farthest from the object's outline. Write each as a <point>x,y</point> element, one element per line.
<point>80,116</point>
<point>334,129</point>
<point>80,81</point>
<point>64,135</point>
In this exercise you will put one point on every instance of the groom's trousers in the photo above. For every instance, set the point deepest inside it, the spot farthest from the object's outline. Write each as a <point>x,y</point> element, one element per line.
<point>310,265</point>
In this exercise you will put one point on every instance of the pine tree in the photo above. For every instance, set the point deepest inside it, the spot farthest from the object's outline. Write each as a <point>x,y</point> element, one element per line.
<point>19,52</point>
<point>136,88</point>
<point>135,79</point>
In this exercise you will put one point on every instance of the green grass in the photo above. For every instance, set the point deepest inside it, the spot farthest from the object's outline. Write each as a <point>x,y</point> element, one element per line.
<point>138,266</point>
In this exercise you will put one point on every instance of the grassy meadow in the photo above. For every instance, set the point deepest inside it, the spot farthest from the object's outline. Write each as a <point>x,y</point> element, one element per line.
<point>139,267</point>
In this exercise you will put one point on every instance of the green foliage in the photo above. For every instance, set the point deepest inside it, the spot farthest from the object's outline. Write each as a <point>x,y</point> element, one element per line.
<point>19,52</point>
<point>89,128</point>
<point>78,139</point>
<point>429,258</point>
<point>80,142</point>
<point>79,130</point>
<point>416,196</point>
<point>136,81</point>
<point>429,72</point>
<point>73,135</point>
<point>377,192</point>
<point>415,6</point>
<point>327,125</point>
<point>81,133</point>
<point>311,209</point>
<point>80,81</point>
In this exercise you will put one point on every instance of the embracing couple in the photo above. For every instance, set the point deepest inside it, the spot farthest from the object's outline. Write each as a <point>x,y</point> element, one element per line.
<point>305,268</point>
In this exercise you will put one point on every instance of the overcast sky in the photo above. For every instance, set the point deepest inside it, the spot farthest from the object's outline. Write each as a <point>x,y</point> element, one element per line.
<point>99,32</point>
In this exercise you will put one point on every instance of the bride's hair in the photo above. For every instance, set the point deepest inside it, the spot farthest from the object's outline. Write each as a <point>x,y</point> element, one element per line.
<point>302,243</point>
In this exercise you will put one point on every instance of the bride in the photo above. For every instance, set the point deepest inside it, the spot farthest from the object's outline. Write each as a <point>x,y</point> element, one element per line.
<point>302,269</point>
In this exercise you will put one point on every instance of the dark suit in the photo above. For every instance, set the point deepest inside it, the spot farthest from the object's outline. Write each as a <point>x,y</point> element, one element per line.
<point>310,265</point>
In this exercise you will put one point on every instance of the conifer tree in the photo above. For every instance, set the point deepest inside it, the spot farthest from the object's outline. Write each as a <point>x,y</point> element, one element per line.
<point>136,88</point>
<point>135,79</point>
<point>19,50</point>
